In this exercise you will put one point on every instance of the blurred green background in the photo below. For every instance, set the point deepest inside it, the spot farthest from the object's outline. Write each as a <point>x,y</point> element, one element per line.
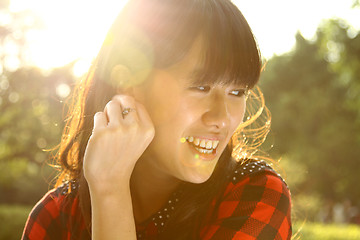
<point>313,93</point>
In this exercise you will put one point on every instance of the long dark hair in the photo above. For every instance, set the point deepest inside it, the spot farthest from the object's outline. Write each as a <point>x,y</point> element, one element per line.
<point>152,34</point>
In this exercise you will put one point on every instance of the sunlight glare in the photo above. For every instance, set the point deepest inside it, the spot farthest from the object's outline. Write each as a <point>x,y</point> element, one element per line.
<point>276,22</point>
<point>76,29</point>
<point>63,90</point>
<point>81,67</point>
<point>73,29</point>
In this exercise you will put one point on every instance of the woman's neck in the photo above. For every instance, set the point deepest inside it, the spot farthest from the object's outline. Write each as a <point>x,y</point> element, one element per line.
<point>150,189</point>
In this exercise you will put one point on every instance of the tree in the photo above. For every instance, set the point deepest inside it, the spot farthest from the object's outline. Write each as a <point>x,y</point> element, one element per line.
<point>310,92</point>
<point>31,122</point>
<point>31,107</point>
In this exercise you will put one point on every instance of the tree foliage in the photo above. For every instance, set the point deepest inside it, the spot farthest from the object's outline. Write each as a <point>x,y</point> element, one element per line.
<point>31,111</point>
<point>313,94</point>
<point>30,123</point>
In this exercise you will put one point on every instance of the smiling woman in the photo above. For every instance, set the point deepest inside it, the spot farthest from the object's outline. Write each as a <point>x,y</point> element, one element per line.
<point>153,145</point>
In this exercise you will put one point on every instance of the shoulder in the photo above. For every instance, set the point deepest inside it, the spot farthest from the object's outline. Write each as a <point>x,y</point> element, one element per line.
<point>250,168</point>
<point>257,175</point>
<point>55,200</point>
<point>256,204</point>
<point>46,216</point>
<point>256,182</point>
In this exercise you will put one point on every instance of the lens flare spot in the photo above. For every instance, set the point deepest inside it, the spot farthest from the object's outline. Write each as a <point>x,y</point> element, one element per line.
<point>182,140</point>
<point>121,77</point>
<point>134,63</point>
<point>197,156</point>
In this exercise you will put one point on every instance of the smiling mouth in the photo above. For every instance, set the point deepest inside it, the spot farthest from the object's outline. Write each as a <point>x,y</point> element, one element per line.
<point>203,146</point>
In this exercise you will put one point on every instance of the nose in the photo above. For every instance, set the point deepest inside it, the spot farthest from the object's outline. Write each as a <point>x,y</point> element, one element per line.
<point>217,114</point>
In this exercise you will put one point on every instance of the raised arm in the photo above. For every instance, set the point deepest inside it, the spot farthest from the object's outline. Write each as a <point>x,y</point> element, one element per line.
<point>121,134</point>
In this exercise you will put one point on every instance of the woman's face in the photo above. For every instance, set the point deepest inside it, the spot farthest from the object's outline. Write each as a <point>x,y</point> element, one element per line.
<point>193,124</point>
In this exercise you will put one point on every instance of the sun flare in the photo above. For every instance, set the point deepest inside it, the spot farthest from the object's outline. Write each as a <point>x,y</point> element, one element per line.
<point>75,30</point>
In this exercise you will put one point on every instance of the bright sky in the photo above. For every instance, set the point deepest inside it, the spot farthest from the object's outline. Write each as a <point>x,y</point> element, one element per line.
<point>75,28</point>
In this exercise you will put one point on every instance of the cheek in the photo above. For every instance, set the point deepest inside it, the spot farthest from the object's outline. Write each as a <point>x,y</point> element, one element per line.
<point>237,113</point>
<point>162,100</point>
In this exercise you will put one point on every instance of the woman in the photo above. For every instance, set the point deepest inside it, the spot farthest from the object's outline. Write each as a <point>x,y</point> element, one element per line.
<point>147,150</point>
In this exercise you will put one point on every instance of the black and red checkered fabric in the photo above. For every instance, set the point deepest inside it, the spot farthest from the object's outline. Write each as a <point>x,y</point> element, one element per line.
<point>255,205</point>
<point>56,216</point>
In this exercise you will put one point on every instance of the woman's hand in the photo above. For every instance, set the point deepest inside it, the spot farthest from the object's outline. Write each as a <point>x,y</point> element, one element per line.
<point>117,142</point>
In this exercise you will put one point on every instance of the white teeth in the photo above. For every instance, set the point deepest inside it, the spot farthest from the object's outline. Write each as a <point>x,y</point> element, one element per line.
<point>203,143</point>
<point>204,150</point>
<point>209,145</point>
<point>215,144</point>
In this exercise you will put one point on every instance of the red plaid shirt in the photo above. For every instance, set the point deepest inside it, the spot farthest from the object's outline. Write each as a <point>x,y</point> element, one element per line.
<point>256,205</point>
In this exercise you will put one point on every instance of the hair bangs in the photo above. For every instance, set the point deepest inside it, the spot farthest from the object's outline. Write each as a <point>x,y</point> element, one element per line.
<point>169,30</point>
<point>231,55</point>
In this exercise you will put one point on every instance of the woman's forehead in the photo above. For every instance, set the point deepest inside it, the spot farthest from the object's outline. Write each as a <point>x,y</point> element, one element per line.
<point>194,70</point>
<point>194,73</point>
<point>223,81</point>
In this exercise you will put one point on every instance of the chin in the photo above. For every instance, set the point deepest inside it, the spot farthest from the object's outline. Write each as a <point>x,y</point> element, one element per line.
<point>200,180</point>
<point>199,175</point>
<point>196,170</point>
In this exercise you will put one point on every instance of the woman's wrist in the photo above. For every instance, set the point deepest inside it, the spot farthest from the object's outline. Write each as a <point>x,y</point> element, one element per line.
<point>112,214</point>
<point>106,189</point>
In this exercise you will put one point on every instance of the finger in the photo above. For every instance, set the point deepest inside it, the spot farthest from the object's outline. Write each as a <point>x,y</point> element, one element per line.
<point>113,113</point>
<point>100,120</point>
<point>143,115</point>
<point>128,106</point>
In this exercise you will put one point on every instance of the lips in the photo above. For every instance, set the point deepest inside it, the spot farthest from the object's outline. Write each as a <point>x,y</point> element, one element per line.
<point>203,142</point>
<point>206,148</point>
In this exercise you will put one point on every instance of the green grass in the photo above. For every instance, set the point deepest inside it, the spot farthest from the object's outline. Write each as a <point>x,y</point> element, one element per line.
<point>318,231</point>
<point>12,219</point>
